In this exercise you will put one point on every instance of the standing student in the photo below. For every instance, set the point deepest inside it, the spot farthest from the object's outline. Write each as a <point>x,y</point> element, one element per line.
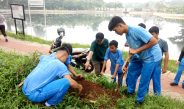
<point>97,52</point>
<point>134,62</point>
<point>115,57</point>
<point>142,43</point>
<point>154,30</point>
<point>180,63</point>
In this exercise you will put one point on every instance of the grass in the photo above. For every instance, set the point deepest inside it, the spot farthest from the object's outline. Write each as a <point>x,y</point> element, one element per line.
<point>14,68</point>
<point>172,66</point>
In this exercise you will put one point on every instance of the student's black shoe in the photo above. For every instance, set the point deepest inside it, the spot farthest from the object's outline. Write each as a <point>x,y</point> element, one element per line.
<point>173,84</point>
<point>128,94</point>
<point>137,103</point>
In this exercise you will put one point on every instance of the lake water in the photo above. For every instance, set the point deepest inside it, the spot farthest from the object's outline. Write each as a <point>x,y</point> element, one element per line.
<point>82,28</point>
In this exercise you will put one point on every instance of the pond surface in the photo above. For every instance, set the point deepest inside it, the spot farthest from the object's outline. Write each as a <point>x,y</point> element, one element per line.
<point>82,28</point>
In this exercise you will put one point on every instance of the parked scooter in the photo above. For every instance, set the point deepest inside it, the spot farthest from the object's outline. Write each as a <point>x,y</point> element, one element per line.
<point>78,57</point>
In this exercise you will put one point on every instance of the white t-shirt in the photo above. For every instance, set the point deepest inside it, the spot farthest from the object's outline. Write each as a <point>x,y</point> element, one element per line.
<point>2,19</point>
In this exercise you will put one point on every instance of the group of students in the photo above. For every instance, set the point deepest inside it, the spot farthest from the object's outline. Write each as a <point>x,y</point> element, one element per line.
<point>51,78</point>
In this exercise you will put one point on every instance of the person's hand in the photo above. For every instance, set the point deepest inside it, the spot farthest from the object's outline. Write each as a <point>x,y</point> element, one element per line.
<point>132,51</point>
<point>177,62</point>
<point>164,70</point>
<point>87,64</point>
<point>80,88</point>
<point>79,76</point>
<point>124,69</point>
<point>113,77</point>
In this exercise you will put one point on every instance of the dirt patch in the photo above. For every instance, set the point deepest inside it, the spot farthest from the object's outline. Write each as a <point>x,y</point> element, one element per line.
<point>93,92</point>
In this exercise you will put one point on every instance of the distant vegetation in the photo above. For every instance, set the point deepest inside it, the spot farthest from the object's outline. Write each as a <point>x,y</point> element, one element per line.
<point>67,4</point>
<point>173,6</point>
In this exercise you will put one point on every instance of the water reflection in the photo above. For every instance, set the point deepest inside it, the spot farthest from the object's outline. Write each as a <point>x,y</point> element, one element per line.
<point>81,28</point>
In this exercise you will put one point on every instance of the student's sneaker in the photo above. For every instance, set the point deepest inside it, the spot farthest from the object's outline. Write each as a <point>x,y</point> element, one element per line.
<point>128,94</point>
<point>47,104</point>
<point>173,84</point>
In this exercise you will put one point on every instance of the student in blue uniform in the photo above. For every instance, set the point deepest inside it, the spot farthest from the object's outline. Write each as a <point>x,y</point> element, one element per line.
<point>133,68</point>
<point>50,79</point>
<point>142,43</point>
<point>154,30</point>
<point>115,57</point>
<point>180,63</point>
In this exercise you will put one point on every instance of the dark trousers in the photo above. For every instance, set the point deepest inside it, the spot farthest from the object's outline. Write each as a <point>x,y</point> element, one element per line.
<point>98,66</point>
<point>2,28</point>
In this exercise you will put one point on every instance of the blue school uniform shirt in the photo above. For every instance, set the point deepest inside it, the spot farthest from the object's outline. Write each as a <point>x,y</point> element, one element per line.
<point>48,69</point>
<point>137,37</point>
<point>115,58</point>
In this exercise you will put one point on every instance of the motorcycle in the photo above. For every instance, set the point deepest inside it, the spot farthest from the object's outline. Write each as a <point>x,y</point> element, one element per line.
<point>79,59</point>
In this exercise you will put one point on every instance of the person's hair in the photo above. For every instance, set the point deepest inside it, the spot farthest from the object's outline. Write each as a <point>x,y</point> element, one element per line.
<point>99,36</point>
<point>142,25</point>
<point>66,47</point>
<point>113,42</point>
<point>114,21</point>
<point>154,29</point>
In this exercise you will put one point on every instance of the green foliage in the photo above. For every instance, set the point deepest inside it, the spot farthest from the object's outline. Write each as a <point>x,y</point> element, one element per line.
<point>14,68</point>
<point>151,102</point>
<point>172,66</point>
<point>62,4</point>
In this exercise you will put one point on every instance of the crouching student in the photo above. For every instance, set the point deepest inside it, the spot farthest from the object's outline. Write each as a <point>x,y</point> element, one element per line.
<point>50,80</point>
<point>117,62</point>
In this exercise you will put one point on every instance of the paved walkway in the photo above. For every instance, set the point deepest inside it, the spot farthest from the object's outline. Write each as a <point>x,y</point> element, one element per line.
<point>25,47</point>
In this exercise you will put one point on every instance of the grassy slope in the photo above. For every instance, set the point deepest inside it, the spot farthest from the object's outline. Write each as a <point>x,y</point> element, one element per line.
<point>14,68</point>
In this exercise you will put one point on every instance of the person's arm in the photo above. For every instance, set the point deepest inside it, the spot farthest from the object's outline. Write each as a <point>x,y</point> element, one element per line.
<point>74,84</point>
<point>70,68</point>
<point>151,43</point>
<point>106,57</point>
<point>115,71</point>
<point>166,60</point>
<point>90,54</point>
<point>104,66</point>
<point>125,65</point>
